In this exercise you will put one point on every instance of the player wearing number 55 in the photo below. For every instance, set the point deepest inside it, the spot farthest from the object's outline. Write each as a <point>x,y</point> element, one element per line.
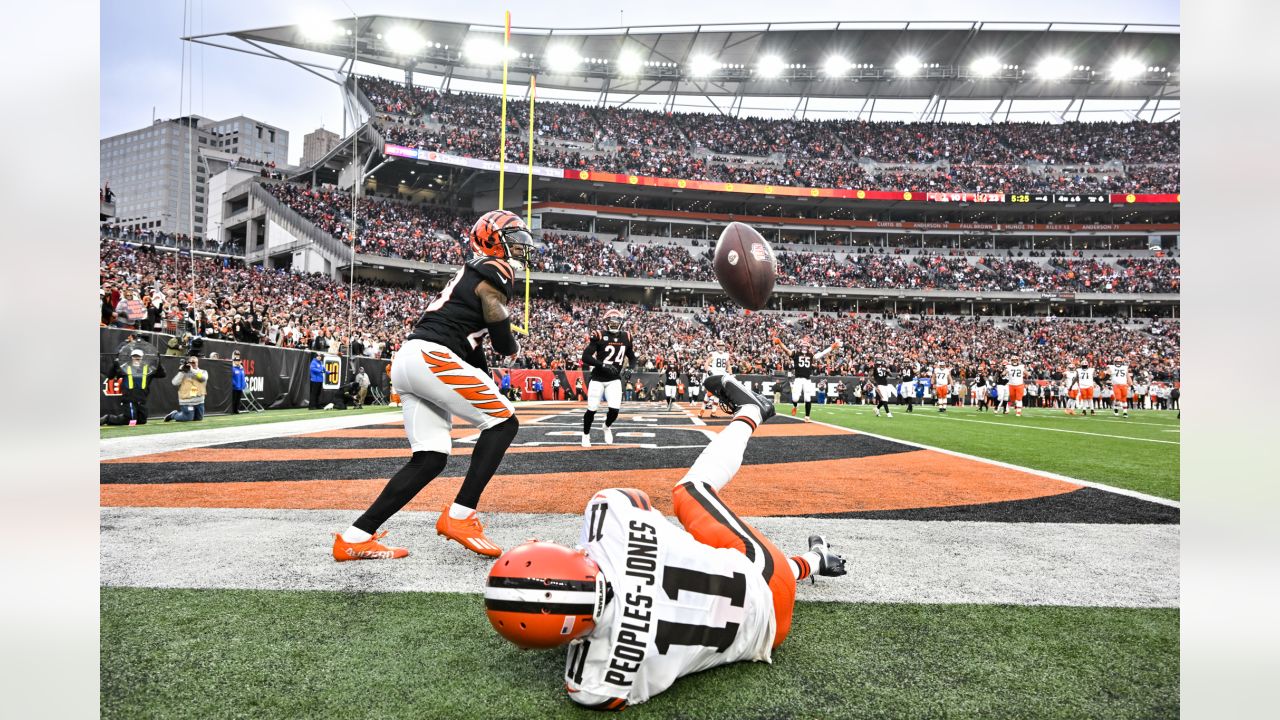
<point>642,602</point>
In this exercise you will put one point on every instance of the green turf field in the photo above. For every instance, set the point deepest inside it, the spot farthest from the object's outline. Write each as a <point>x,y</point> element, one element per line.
<point>1141,453</point>
<point>227,653</point>
<point>157,425</point>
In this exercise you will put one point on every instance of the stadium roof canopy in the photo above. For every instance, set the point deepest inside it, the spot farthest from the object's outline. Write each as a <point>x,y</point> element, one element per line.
<point>928,62</point>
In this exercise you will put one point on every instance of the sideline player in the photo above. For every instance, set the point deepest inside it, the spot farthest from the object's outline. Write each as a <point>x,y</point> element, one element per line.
<point>605,354</point>
<point>643,602</point>
<point>717,364</point>
<point>1016,373</point>
<point>1118,373</point>
<point>441,371</point>
<point>881,379</point>
<point>1085,381</point>
<point>941,384</point>
<point>803,360</point>
<point>671,380</point>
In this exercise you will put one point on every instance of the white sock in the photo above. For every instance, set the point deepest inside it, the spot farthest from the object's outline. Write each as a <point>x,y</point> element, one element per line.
<point>459,512</point>
<point>749,411</point>
<point>811,557</point>
<point>354,535</point>
<point>720,460</point>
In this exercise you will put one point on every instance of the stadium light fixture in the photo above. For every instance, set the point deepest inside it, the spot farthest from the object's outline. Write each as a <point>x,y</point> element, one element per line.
<point>986,66</point>
<point>1053,67</point>
<point>703,65</point>
<point>562,58</point>
<point>629,63</point>
<point>835,66</point>
<point>320,30</point>
<point>907,65</point>
<point>404,41</point>
<point>1126,68</point>
<point>770,66</point>
<point>483,50</point>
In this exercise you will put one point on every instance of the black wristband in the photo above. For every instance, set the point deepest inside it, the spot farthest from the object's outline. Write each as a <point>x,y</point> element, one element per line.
<point>504,342</point>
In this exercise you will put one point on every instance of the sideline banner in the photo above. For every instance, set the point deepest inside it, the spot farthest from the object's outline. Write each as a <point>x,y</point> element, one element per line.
<point>278,377</point>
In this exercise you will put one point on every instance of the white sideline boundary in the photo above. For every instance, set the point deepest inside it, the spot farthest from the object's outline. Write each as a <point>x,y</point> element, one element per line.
<point>126,447</point>
<point>948,418</point>
<point>1011,466</point>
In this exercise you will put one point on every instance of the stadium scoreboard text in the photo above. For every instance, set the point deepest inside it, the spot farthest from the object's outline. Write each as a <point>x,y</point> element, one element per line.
<point>394,150</point>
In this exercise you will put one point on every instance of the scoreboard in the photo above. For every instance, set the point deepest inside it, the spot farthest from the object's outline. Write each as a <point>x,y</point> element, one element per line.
<point>1058,199</point>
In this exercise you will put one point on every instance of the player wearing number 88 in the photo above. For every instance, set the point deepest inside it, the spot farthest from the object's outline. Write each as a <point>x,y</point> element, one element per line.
<point>643,602</point>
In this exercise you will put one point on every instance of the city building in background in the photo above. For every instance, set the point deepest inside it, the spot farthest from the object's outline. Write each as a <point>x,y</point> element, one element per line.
<point>316,144</point>
<point>152,170</point>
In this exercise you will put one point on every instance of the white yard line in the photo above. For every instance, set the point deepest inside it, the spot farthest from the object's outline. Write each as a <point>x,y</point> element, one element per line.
<point>951,418</point>
<point>1011,466</point>
<point>889,560</point>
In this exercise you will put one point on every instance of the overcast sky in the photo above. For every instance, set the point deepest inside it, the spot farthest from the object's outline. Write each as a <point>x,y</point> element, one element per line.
<point>142,55</point>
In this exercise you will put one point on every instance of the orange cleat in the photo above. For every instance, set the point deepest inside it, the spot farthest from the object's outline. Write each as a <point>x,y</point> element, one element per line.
<point>370,549</point>
<point>469,533</point>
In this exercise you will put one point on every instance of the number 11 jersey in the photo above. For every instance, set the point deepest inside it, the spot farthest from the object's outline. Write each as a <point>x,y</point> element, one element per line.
<point>678,606</point>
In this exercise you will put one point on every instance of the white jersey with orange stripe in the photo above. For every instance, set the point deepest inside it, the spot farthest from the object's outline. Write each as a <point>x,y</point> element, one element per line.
<point>1015,374</point>
<point>941,376</point>
<point>1085,376</point>
<point>678,606</point>
<point>718,363</point>
<point>1119,374</point>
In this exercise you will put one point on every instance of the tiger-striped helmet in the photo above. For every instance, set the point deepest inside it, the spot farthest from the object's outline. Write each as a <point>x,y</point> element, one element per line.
<point>497,232</point>
<point>613,318</point>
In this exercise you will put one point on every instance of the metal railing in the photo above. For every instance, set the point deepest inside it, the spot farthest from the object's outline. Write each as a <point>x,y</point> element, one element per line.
<point>337,252</point>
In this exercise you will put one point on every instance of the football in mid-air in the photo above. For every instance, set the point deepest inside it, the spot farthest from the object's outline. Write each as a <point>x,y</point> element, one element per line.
<point>745,266</point>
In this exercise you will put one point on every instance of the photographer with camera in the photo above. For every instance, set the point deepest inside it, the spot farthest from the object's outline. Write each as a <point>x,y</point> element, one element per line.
<point>135,377</point>
<point>191,382</point>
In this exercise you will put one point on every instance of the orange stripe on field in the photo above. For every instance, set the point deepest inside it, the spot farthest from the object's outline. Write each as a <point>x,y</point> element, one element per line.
<point>915,479</point>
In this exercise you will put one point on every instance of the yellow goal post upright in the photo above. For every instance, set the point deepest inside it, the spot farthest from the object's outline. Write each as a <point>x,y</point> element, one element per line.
<point>502,161</point>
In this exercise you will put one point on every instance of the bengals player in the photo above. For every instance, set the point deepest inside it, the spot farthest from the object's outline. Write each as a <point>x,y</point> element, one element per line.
<point>604,355</point>
<point>441,371</point>
<point>803,360</point>
<point>642,601</point>
<point>671,379</point>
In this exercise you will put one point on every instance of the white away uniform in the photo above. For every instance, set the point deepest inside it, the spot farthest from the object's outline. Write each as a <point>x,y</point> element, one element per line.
<point>678,606</point>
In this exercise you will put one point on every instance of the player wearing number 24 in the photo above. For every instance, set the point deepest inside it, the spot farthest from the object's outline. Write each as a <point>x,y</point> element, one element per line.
<point>642,602</point>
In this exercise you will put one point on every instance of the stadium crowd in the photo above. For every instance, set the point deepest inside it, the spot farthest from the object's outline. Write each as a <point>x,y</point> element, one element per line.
<point>947,157</point>
<point>223,299</point>
<point>429,234</point>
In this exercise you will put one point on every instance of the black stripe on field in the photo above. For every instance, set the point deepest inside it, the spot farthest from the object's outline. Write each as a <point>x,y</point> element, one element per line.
<point>760,451</point>
<point>666,435</point>
<point>1086,505</point>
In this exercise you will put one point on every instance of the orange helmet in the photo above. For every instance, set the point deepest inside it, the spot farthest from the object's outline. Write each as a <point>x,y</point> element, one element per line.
<point>497,232</point>
<point>543,595</point>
